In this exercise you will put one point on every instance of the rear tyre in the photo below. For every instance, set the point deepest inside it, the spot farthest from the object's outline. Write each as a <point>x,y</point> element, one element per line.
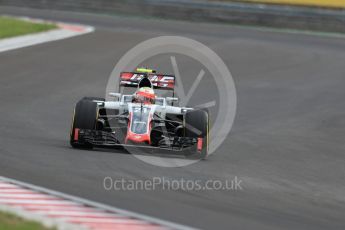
<point>196,125</point>
<point>84,117</point>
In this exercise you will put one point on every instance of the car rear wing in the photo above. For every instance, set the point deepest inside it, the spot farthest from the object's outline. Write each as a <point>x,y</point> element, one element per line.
<point>159,81</point>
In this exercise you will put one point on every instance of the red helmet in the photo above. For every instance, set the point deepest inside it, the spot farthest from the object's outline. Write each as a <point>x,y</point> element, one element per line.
<point>145,95</point>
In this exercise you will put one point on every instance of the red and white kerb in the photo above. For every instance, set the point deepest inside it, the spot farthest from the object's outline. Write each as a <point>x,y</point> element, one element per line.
<point>68,211</point>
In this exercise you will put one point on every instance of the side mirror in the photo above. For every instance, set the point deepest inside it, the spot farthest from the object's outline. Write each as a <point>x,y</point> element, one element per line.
<point>171,100</point>
<point>115,95</point>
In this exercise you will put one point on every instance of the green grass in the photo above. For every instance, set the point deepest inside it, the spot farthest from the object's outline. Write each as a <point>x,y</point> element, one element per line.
<point>11,27</point>
<point>12,222</point>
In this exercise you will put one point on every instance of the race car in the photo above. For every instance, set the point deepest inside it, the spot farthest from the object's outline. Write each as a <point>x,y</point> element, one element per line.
<point>142,119</point>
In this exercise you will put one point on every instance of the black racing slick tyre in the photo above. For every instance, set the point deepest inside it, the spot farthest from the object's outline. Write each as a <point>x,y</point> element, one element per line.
<point>196,123</point>
<point>84,117</point>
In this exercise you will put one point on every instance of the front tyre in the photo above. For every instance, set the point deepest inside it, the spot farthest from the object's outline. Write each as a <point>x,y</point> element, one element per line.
<point>84,117</point>
<point>196,125</point>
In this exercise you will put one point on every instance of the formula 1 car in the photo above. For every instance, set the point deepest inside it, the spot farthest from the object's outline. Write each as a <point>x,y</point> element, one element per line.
<point>141,120</point>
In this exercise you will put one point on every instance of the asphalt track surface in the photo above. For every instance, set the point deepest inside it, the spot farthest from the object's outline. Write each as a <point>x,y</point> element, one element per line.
<point>287,143</point>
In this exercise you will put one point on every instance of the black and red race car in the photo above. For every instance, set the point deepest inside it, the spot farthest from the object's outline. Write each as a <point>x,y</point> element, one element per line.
<point>141,120</point>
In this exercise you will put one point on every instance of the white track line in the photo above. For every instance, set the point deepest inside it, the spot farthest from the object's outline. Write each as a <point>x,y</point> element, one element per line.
<point>64,31</point>
<point>62,211</point>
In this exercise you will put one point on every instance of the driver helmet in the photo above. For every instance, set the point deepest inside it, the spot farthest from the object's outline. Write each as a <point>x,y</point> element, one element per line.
<point>145,95</point>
